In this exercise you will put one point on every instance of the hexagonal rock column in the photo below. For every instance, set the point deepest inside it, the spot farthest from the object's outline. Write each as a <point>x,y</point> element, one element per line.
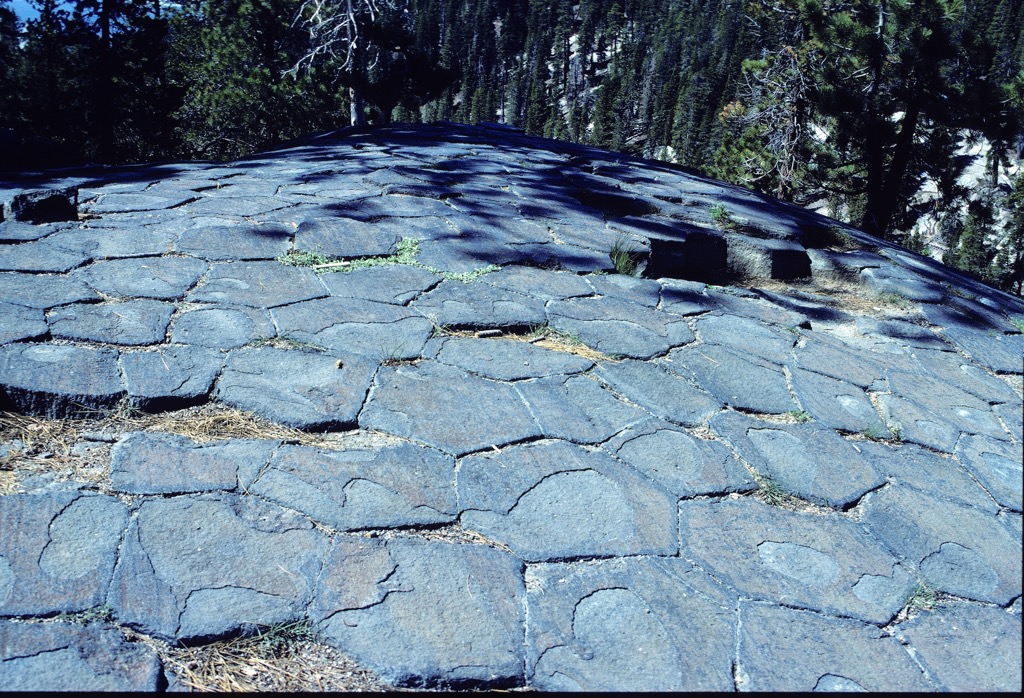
<point>57,380</point>
<point>57,551</point>
<point>204,566</point>
<point>43,206</point>
<point>628,624</point>
<point>65,657</point>
<point>425,613</point>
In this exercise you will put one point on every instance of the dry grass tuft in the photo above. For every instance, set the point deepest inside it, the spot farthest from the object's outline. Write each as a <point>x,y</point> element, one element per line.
<point>285,657</point>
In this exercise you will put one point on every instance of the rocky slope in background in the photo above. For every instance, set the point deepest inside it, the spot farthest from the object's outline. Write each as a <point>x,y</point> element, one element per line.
<point>454,440</point>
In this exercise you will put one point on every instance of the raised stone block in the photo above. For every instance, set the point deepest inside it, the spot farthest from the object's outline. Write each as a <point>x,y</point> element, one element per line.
<point>758,258</point>
<point>44,205</point>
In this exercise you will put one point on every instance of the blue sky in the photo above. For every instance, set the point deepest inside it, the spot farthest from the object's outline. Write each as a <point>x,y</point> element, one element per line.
<point>22,9</point>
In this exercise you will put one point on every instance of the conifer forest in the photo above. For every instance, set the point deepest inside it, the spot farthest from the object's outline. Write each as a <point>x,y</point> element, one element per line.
<point>903,117</point>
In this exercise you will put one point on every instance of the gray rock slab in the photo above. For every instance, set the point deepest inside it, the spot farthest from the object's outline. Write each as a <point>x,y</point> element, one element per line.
<point>65,657</point>
<point>58,380</point>
<point>165,278</point>
<point>956,313</point>
<point>746,336</point>
<point>248,206</point>
<point>628,624</point>
<point>18,323</point>
<point>833,357</point>
<point>908,333</point>
<point>159,463</point>
<point>506,359</point>
<point>393,205</point>
<point>41,256</point>
<point>618,327</point>
<point>345,237</point>
<point>1002,353</point>
<point>43,205</point>
<point>998,466</point>
<point>222,327</point>
<point>384,487</point>
<point>350,325</point>
<point>953,369</point>
<point>57,551</point>
<point>967,647</point>
<point>893,280</point>
<point>266,241</point>
<point>117,202</point>
<point>396,284</point>
<point>258,284</point>
<point>681,297</point>
<point>577,409</point>
<point>957,549</point>
<point>296,388</point>
<point>458,306</point>
<point>43,291</point>
<point>740,381</point>
<point>939,475</point>
<point>17,231</point>
<point>782,649</point>
<point>935,429</point>
<point>102,242</point>
<point>554,500</point>
<point>131,323</point>
<point>425,613</point>
<point>171,377</point>
<point>822,564</point>
<point>834,403</point>
<point>645,292</point>
<point>444,407</point>
<point>663,393</point>
<point>841,265</point>
<point>807,460</point>
<point>683,464</point>
<point>204,566</point>
<point>739,301</point>
<point>539,283</point>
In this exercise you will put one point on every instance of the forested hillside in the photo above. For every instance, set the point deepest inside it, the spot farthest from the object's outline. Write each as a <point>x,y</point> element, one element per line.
<point>862,107</point>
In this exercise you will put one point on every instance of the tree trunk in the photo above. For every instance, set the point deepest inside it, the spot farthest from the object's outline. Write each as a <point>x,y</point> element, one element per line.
<point>356,113</point>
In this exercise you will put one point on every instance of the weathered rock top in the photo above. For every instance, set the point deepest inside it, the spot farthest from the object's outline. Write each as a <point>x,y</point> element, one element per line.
<point>516,413</point>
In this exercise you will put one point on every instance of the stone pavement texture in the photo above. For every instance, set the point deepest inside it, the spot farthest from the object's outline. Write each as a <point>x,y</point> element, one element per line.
<point>778,454</point>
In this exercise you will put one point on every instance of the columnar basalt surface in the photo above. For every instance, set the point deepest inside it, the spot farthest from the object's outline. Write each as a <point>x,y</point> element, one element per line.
<point>486,410</point>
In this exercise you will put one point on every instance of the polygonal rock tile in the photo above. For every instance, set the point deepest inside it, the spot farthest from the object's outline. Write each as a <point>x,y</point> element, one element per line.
<point>39,256</point>
<point>18,322</point>
<point>344,237</point>
<point>893,280</point>
<point>971,414</point>
<point>539,283</point>
<point>645,292</point>
<point>997,465</point>
<point>457,305</point>
<point>122,202</point>
<point>425,613</point>
<point>58,380</point>
<point>953,369</point>
<point>967,647</point>
<point>396,284</point>
<point>164,278</point>
<point>65,657</point>
<point>266,241</point>
<point>834,403</point>
<point>745,382</point>
<point>628,624</point>
<point>663,393</point>
<point>768,553</point>
<point>408,400</point>
<point>100,243</point>
<point>956,548</point>
<point>199,567</point>
<point>129,323</point>
<point>746,336</point>
<point>939,475</point>
<point>351,325</point>
<point>296,388</point>
<point>57,551</point>
<point>236,205</point>
<point>804,459</point>
<point>507,360</point>
<point>994,350</point>
<point>782,649</point>
<point>831,356</point>
<point>683,464</point>
<point>555,500</point>
<point>577,408</point>
<point>615,326</point>
<point>222,327</point>
<point>155,463</point>
<point>383,487</point>
<point>171,377</point>
<point>936,428</point>
<point>43,291</point>
<point>258,284</point>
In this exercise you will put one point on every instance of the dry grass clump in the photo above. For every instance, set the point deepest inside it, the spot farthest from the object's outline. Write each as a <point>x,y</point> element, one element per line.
<point>285,657</point>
